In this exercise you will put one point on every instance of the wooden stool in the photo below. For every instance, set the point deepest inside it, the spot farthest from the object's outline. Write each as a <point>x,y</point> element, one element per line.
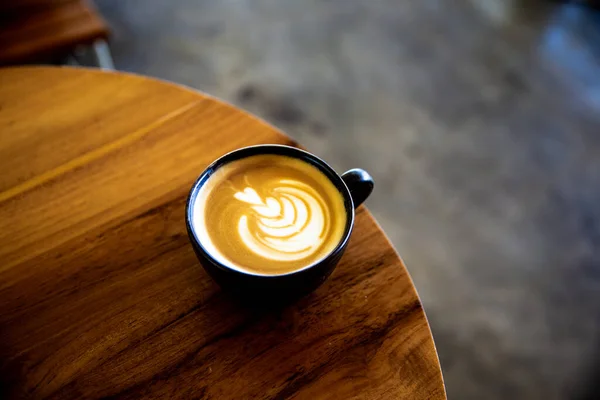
<point>33,33</point>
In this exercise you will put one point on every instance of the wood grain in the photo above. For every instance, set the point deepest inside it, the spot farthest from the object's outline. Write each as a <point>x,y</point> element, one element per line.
<point>101,294</point>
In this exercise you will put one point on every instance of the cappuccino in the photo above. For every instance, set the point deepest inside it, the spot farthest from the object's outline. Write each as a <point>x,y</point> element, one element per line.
<point>269,214</point>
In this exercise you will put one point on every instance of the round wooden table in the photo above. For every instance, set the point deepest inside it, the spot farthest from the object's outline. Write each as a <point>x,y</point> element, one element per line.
<point>100,291</point>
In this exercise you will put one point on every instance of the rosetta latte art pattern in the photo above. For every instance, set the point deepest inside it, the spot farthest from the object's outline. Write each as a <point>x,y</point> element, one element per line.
<point>269,214</point>
<point>288,224</point>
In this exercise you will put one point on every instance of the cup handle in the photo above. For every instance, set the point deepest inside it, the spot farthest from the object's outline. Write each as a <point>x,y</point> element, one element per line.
<point>360,184</point>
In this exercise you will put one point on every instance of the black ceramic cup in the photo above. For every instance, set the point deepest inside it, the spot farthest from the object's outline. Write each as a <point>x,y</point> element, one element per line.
<point>355,186</point>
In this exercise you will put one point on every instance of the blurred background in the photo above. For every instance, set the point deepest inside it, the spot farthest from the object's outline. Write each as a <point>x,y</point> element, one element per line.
<point>478,119</point>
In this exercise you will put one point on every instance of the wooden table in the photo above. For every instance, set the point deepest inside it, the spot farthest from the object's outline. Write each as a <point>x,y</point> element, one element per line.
<point>100,292</point>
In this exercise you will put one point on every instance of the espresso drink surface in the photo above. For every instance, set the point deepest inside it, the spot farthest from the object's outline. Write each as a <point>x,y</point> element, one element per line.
<point>269,214</point>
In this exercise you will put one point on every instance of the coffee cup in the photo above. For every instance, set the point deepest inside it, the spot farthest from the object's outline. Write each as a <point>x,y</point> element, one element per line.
<point>272,221</point>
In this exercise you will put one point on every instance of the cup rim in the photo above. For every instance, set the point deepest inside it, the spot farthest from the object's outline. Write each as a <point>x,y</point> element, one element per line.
<point>277,149</point>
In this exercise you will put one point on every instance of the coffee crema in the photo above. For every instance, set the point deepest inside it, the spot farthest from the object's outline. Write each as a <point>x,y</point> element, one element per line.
<point>269,214</point>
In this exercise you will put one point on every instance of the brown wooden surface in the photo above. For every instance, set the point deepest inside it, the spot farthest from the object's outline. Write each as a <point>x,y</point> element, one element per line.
<point>18,5</point>
<point>38,32</point>
<point>101,294</point>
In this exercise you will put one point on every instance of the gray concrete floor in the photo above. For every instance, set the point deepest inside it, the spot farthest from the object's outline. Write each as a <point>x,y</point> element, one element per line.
<point>479,120</point>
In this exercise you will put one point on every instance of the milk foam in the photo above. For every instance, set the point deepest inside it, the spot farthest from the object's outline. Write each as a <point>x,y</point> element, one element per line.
<point>290,225</point>
<point>268,215</point>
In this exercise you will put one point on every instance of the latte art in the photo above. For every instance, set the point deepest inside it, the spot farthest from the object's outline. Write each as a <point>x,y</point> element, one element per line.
<point>288,226</point>
<point>269,214</point>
